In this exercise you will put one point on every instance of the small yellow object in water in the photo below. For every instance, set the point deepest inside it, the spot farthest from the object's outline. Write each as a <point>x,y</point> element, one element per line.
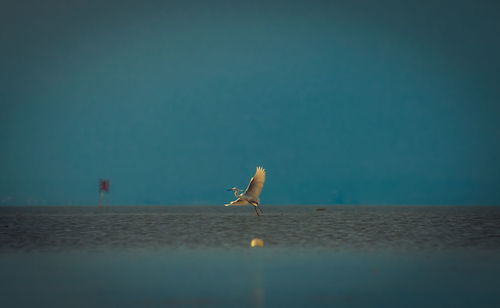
<point>257,242</point>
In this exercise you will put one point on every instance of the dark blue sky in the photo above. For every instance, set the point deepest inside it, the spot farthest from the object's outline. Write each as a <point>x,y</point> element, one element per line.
<point>367,102</point>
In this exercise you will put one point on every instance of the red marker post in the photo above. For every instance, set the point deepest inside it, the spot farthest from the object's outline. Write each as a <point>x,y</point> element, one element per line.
<point>103,188</point>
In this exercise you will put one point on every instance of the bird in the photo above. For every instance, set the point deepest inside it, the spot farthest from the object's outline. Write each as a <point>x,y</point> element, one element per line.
<point>251,194</point>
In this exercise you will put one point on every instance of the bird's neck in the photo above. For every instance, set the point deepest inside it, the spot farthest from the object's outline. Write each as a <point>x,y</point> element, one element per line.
<point>236,192</point>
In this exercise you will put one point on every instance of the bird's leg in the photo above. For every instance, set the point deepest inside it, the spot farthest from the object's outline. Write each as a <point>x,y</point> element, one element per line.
<point>256,205</point>
<point>255,208</point>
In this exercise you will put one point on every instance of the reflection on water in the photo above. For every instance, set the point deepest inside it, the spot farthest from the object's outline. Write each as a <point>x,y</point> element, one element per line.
<point>258,289</point>
<point>270,277</point>
<point>257,242</point>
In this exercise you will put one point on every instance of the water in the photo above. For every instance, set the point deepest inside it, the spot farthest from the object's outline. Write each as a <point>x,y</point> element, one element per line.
<point>365,228</point>
<point>200,256</point>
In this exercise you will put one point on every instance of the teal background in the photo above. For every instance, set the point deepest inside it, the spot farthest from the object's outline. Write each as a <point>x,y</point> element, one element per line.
<point>357,102</point>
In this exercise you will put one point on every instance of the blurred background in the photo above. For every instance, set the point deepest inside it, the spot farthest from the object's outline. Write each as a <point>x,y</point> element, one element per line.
<point>348,102</point>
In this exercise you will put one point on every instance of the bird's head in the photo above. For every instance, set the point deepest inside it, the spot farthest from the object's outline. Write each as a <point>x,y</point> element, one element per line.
<point>234,188</point>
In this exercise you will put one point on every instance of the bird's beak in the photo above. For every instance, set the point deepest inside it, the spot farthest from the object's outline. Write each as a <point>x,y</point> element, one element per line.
<point>229,189</point>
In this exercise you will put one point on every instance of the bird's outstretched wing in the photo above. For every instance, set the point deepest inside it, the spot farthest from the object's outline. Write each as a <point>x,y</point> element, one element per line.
<point>238,201</point>
<point>256,183</point>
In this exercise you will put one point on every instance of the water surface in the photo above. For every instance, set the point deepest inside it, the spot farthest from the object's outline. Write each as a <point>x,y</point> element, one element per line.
<point>180,256</point>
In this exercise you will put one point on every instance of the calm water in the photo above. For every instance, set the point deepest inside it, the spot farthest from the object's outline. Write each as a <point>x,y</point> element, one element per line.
<point>200,256</point>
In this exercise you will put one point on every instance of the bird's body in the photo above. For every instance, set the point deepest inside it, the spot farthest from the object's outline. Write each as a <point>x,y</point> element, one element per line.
<point>252,193</point>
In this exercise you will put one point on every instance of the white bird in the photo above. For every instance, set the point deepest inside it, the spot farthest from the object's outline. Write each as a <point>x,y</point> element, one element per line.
<point>251,195</point>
